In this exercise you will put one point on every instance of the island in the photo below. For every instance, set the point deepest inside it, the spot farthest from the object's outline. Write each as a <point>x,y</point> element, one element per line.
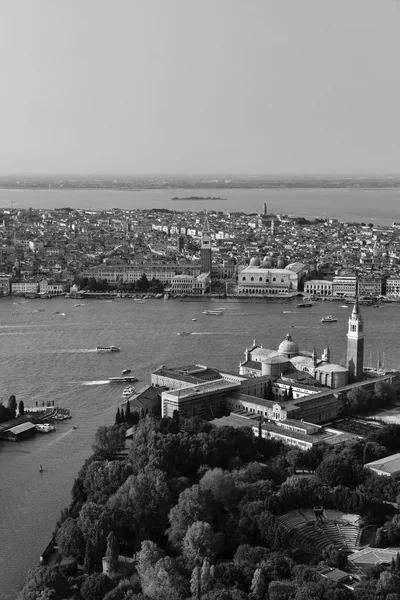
<point>197,198</point>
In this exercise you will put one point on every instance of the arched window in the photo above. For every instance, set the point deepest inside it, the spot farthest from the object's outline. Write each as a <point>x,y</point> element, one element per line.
<point>251,278</point>
<point>282,281</point>
<point>244,279</point>
<point>260,279</point>
<point>274,279</point>
<point>267,280</point>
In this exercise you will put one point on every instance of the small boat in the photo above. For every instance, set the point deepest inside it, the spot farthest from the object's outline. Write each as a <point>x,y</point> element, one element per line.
<point>128,391</point>
<point>183,333</point>
<point>79,305</point>
<point>107,349</point>
<point>304,305</point>
<point>194,319</point>
<point>328,319</point>
<point>44,427</point>
<point>287,312</point>
<point>126,371</point>
<point>344,306</point>
<point>125,379</point>
<point>40,469</point>
<point>216,313</point>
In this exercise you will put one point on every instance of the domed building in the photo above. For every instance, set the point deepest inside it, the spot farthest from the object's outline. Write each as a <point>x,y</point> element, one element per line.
<point>292,363</point>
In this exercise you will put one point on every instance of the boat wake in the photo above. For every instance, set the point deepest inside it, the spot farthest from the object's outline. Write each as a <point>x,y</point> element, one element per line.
<point>99,382</point>
<point>76,350</point>
<point>205,332</point>
<point>61,437</point>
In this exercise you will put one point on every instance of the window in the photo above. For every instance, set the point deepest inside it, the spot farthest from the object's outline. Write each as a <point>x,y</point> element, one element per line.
<point>251,278</point>
<point>274,279</point>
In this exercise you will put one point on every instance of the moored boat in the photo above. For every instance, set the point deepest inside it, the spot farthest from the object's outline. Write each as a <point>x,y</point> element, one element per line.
<point>128,391</point>
<point>126,371</point>
<point>217,313</point>
<point>304,305</point>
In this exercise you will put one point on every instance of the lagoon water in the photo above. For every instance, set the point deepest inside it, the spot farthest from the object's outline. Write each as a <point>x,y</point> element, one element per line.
<point>48,356</point>
<point>379,206</point>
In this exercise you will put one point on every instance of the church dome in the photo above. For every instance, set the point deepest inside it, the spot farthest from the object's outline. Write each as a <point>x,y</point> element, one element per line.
<point>255,262</point>
<point>266,264</point>
<point>288,347</point>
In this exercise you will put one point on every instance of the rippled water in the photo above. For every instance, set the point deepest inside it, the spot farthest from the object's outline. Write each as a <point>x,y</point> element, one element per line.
<point>47,356</point>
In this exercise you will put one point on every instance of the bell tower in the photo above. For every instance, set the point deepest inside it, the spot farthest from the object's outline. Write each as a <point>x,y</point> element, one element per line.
<point>355,344</point>
<point>206,247</point>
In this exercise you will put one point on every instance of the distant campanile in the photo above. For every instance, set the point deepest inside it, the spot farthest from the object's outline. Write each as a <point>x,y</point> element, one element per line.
<point>265,211</point>
<point>355,344</point>
<point>206,247</point>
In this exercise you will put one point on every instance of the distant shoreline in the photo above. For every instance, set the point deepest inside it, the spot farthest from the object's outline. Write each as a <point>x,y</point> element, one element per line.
<point>193,198</point>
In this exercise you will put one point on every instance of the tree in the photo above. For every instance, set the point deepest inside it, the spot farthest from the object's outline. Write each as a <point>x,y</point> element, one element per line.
<point>117,417</point>
<point>199,542</point>
<point>195,583</point>
<point>21,408</point>
<point>357,399</point>
<point>290,393</point>
<point>205,576</point>
<point>122,416</point>
<point>96,586</point>
<point>258,584</point>
<point>112,554</point>
<point>108,441</point>
<point>70,539</point>
<point>89,564</point>
<point>12,406</point>
<point>40,579</point>
<point>128,412</point>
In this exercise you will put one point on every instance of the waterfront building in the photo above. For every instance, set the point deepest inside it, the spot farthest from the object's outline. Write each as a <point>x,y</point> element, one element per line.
<point>187,284</point>
<point>54,289</point>
<point>260,279</point>
<point>288,361</point>
<point>355,344</point>
<point>345,286</point>
<point>203,400</point>
<point>206,247</point>
<point>24,287</point>
<point>371,285</point>
<point>5,285</point>
<point>318,287</point>
<point>393,286</point>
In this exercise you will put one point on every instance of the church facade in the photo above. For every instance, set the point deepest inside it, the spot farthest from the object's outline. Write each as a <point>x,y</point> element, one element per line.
<point>306,367</point>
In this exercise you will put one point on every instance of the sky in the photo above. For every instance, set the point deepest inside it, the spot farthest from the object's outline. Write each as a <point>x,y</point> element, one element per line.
<point>132,87</point>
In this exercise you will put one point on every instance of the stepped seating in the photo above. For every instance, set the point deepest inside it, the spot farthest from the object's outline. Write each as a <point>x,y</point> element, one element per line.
<point>317,535</point>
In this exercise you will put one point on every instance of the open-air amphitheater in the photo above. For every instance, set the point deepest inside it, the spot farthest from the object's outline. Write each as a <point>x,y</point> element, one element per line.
<point>313,530</point>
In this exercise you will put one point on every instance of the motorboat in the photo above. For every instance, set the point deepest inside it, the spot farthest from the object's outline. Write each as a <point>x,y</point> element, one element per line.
<point>304,305</point>
<point>107,349</point>
<point>126,371</point>
<point>194,319</point>
<point>183,333</point>
<point>216,313</point>
<point>328,319</point>
<point>44,427</point>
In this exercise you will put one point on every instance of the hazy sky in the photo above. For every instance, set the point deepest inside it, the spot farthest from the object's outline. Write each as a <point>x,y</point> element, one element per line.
<point>197,86</point>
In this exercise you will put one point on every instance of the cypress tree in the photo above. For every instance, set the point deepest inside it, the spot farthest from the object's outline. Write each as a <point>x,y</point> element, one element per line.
<point>269,391</point>
<point>195,583</point>
<point>21,407</point>
<point>118,417</point>
<point>112,554</point>
<point>89,564</point>
<point>205,576</point>
<point>285,396</point>
<point>122,414</point>
<point>128,412</point>
<point>12,406</point>
<point>290,394</point>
